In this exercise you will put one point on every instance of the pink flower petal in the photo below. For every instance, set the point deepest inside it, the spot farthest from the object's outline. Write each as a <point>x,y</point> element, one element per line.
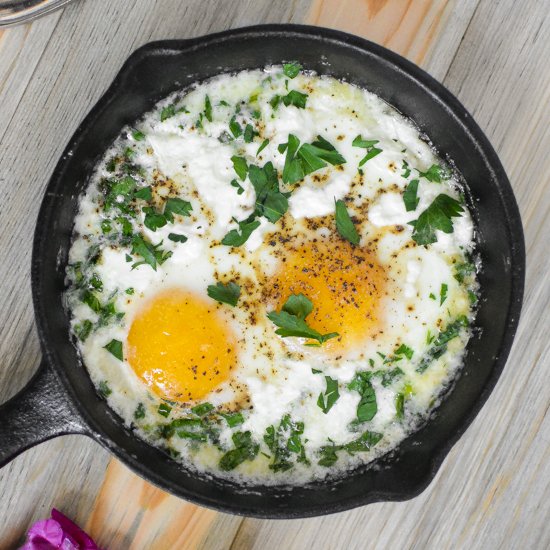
<point>80,539</point>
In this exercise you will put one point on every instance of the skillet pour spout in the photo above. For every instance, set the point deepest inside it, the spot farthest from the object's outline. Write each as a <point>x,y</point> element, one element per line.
<point>61,398</point>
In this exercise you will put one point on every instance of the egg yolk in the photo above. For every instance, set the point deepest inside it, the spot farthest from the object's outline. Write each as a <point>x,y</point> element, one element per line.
<point>344,283</point>
<point>180,346</point>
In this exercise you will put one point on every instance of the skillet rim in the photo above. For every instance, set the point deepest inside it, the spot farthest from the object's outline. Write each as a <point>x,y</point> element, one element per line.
<point>438,93</point>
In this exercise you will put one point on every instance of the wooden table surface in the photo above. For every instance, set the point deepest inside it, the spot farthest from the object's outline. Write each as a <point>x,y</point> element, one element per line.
<point>493,489</point>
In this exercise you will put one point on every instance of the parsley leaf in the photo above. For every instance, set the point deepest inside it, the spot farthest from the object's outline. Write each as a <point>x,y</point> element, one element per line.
<point>291,69</point>
<point>291,320</point>
<point>327,399</point>
<point>270,202</point>
<point>443,293</point>
<point>264,144</point>
<point>233,419</point>
<point>227,294</point>
<point>367,407</point>
<point>115,348</point>
<point>246,227</point>
<point>463,270</point>
<point>369,145</point>
<point>435,173</point>
<point>301,161</point>
<point>235,128</point>
<point>153,220</point>
<point>177,238</point>
<point>283,441</point>
<point>207,109</point>
<point>177,206</point>
<point>151,254</point>
<point>240,165</point>
<point>249,133</point>
<point>167,112</point>
<point>437,216</point>
<point>245,449</point>
<point>406,169</point>
<point>237,186</point>
<point>145,193</point>
<point>410,197</point>
<point>139,412</point>
<point>104,389</point>
<point>344,224</point>
<point>363,443</point>
<point>138,136</point>
<point>202,409</point>
<point>164,410</point>
<point>405,350</point>
<point>83,330</point>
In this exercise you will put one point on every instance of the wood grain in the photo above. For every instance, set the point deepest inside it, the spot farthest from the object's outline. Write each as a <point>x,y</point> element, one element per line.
<point>492,491</point>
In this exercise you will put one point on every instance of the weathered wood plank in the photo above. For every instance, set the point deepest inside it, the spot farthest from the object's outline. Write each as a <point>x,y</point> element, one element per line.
<point>427,32</point>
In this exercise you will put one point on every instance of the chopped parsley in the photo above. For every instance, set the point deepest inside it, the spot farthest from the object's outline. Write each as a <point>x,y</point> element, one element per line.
<point>233,419</point>
<point>270,202</point>
<point>177,238</point>
<point>150,254</point>
<point>443,293</point>
<point>438,216</point>
<point>329,397</point>
<point>237,186</point>
<point>291,320</point>
<point>104,389</point>
<point>435,173</point>
<point>344,224</point>
<point>139,413</point>
<point>294,97</point>
<point>164,410</point>
<point>367,407</point>
<point>237,237</point>
<point>329,453</point>
<point>406,169</point>
<point>202,409</point>
<point>235,128</point>
<point>240,165</point>
<point>283,442</point>
<point>264,144</point>
<point>369,145</point>
<point>245,449</point>
<point>138,136</point>
<point>463,270</point>
<point>83,330</point>
<point>114,347</point>
<point>226,294</point>
<point>207,109</point>
<point>410,197</point>
<point>303,160</point>
<point>249,133</point>
<point>291,69</point>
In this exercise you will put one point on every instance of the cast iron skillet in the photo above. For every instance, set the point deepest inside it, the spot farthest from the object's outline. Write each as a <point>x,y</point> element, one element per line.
<point>61,399</point>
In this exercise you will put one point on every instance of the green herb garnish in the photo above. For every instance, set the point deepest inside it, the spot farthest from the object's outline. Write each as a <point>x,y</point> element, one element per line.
<point>202,409</point>
<point>331,394</point>
<point>150,254</point>
<point>235,128</point>
<point>291,320</point>
<point>443,293</point>
<point>264,144</point>
<point>237,237</point>
<point>245,449</point>
<point>138,136</point>
<point>164,410</point>
<point>301,161</point>
<point>438,216</point>
<point>240,165</point>
<point>369,145</point>
<point>410,197</point>
<point>404,350</point>
<point>177,238</point>
<point>104,389</point>
<point>139,413</point>
<point>226,294</point>
<point>207,109</point>
<point>344,224</point>
<point>238,186</point>
<point>115,348</point>
<point>83,330</point>
<point>233,419</point>
<point>435,173</point>
<point>291,69</point>
<point>367,407</point>
<point>270,202</point>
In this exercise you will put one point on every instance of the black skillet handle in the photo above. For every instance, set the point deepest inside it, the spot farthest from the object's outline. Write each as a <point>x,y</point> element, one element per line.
<point>40,411</point>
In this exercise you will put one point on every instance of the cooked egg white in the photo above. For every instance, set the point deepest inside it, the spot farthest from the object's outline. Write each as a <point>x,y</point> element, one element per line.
<point>181,348</point>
